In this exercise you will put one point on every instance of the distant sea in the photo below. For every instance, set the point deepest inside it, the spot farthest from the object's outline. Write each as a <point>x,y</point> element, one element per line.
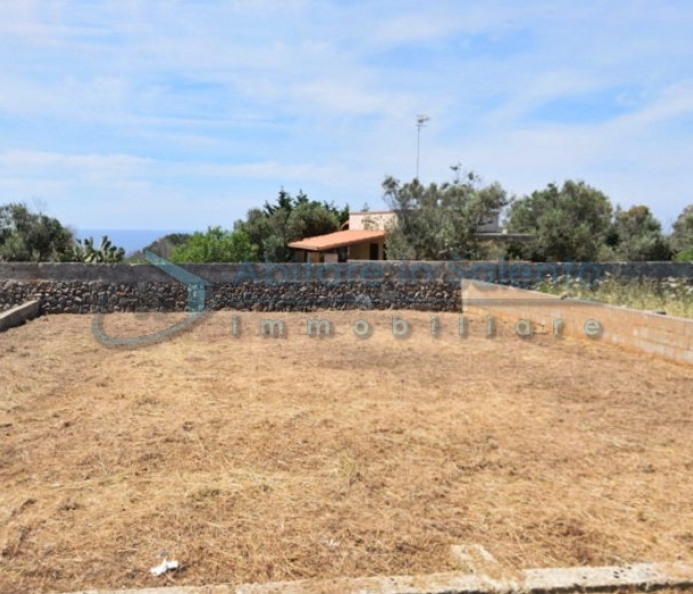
<point>130,240</point>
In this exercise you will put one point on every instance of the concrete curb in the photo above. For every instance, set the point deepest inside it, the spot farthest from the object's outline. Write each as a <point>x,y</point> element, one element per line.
<point>533,581</point>
<point>642,576</point>
<point>19,314</point>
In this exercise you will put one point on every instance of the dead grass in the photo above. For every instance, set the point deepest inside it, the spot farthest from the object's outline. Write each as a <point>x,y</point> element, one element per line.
<point>252,459</point>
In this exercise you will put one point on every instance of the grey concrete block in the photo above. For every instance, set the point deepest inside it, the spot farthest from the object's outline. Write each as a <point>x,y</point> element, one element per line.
<point>19,314</point>
<point>641,576</point>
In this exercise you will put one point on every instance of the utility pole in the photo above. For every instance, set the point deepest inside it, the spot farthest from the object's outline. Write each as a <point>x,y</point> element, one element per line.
<point>420,123</point>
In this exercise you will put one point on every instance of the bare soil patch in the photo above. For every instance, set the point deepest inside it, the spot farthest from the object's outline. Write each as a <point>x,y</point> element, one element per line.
<point>251,459</point>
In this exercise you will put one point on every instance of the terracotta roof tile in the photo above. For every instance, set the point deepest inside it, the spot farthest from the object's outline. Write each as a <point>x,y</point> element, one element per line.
<point>320,243</point>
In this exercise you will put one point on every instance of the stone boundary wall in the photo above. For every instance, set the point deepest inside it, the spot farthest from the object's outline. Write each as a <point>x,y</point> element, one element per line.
<point>660,335</point>
<point>430,286</point>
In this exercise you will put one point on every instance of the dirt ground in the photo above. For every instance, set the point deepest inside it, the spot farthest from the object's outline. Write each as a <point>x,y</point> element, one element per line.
<point>251,458</point>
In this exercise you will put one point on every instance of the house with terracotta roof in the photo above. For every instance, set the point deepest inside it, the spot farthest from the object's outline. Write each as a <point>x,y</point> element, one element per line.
<point>362,237</point>
<point>340,246</point>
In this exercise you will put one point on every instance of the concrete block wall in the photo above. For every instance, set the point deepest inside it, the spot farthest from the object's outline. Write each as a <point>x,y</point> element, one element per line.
<point>659,335</point>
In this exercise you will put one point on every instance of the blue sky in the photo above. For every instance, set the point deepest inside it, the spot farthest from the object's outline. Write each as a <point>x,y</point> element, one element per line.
<point>179,114</point>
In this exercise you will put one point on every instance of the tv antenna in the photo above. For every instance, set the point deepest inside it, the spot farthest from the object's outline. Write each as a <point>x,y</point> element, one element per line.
<point>421,120</point>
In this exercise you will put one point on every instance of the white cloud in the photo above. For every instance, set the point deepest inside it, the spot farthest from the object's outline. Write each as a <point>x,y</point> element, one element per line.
<point>42,159</point>
<point>268,170</point>
<point>158,104</point>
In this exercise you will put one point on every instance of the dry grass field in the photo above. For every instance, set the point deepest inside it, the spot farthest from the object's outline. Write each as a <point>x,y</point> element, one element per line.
<point>251,458</point>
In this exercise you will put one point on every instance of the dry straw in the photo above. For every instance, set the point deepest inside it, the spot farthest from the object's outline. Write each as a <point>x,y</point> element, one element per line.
<point>252,459</point>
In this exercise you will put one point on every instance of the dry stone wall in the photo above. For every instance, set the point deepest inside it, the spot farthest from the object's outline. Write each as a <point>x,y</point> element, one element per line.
<point>428,286</point>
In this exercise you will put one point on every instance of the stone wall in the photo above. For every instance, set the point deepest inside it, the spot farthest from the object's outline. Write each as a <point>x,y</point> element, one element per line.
<point>430,286</point>
<point>77,288</point>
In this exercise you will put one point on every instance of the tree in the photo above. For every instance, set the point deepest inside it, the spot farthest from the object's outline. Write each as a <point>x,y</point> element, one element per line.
<point>32,236</point>
<point>636,235</point>
<point>257,227</point>
<point>308,219</point>
<point>440,221</point>
<point>570,223</point>
<point>163,246</point>
<point>272,227</point>
<point>682,235</point>
<point>216,245</point>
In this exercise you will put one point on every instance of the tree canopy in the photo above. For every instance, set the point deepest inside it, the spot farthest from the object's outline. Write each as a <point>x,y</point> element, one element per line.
<point>682,234</point>
<point>163,246</point>
<point>440,222</point>
<point>27,236</point>
<point>636,234</point>
<point>272,227</point>
<point>262,236</point>
<point>216,245</point>
<point>570,223</point>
